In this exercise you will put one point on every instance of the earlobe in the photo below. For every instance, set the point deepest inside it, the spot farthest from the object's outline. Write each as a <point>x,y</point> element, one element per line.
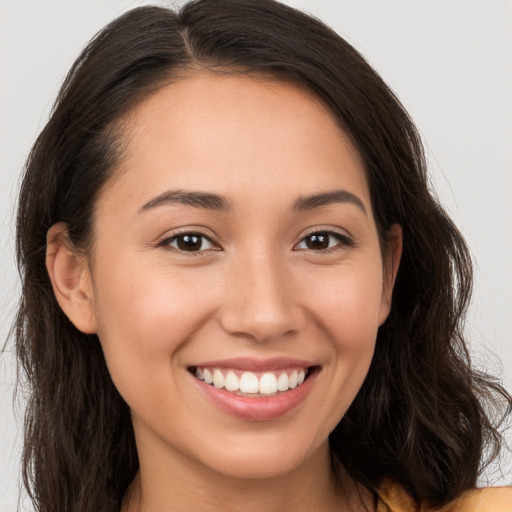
<point>391,265</point>
<point>70,277</point>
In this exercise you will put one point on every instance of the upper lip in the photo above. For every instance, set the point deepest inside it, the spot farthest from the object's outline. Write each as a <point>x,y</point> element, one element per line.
<point>256,365</point>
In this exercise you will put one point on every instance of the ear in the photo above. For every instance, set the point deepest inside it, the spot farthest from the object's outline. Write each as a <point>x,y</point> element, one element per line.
<point>70,277</point>
<point>391,262</point>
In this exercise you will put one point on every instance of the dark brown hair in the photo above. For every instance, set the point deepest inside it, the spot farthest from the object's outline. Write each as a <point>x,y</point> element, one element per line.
<point>423,415</point>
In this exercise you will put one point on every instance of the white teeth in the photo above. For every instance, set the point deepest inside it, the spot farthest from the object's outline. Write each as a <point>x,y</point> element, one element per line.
<point>232,382</point>
<point>248,383</point>
<point>207,376</point>
<point>218,379</point>
<point>268,384</point>
<point>282,382</point>
<point>292,380</point>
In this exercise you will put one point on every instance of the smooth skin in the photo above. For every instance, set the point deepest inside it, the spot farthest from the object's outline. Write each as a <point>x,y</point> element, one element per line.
<point>266,274</point>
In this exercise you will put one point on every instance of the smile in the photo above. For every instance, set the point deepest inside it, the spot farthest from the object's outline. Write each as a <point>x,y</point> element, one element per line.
<point>255,384</point>
<point>255,390</point>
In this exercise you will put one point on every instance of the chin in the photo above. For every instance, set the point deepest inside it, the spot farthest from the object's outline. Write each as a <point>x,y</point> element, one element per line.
<point>268,456</point>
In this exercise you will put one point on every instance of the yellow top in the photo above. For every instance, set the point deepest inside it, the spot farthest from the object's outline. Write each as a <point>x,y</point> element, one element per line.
<point>394,498</point>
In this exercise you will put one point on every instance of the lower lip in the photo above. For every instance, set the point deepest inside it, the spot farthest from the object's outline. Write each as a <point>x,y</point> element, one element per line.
<point>257,408</point>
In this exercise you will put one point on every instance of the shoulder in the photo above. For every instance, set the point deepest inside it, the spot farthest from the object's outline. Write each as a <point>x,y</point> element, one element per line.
<point>488,499</point>
<point>394,498</point>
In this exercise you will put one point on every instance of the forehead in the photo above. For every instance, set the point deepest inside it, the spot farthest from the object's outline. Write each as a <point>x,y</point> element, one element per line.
<point>233,133</point>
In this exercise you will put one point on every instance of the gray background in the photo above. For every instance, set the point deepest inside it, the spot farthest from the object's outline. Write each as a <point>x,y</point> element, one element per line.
<point>449,61</point>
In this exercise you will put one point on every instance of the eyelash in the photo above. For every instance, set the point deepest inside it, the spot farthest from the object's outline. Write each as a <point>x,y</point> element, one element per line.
<point>167,243</point>
<point>343,241</point>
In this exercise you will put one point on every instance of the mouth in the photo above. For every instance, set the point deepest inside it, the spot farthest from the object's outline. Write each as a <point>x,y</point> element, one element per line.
<point>255,390</point>
<point>252,384</point>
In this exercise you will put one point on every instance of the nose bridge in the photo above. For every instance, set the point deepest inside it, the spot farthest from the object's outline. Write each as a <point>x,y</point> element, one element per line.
<point>261,302</point>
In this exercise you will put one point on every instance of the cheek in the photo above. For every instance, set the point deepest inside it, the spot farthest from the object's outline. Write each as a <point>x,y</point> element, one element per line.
<point>144,300</point>
<point>144,318</point>
<point>356,323</point>
<point>348,312</point>
<point>348,302</point>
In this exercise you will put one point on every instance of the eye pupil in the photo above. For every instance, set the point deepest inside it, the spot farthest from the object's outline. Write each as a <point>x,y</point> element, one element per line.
<point>189,242</point>
<point>318,241</point>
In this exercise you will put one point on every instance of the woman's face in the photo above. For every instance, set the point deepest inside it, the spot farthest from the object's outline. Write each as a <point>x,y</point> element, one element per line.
<point>237,238</point>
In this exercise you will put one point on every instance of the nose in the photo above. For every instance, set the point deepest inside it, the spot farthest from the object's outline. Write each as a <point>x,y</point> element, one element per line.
<point>260,300</point>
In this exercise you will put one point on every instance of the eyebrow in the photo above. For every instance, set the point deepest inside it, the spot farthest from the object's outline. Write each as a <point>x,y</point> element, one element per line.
<point>215,202</point>
<point>195,199</point>
<point>328,198</point>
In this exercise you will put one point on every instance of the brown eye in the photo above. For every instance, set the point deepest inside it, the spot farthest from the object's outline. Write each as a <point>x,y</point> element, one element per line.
<point>318,241</point>
<point>190,242</point>
<point>323,241</point>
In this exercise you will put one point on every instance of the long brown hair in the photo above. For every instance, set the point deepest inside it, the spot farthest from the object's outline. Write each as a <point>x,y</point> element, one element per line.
<point>423,415</point>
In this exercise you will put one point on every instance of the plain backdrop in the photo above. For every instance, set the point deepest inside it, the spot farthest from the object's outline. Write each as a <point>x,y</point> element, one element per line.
<point>449,61</point>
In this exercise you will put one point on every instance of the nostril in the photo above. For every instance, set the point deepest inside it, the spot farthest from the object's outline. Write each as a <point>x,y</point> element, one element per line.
<point>261,327</point>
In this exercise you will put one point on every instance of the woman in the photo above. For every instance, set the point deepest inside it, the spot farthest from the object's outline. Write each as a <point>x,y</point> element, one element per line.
<point>238,292</point>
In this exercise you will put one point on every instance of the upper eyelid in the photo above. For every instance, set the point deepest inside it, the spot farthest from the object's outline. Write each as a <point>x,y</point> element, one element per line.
<point>329,230</point>
<point>165,241</point>
<point>344,239</point>
<point>184,233</point>
<point>188,230</point>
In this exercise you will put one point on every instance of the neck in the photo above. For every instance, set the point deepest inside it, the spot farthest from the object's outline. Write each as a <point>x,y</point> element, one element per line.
<point>184,486</point>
